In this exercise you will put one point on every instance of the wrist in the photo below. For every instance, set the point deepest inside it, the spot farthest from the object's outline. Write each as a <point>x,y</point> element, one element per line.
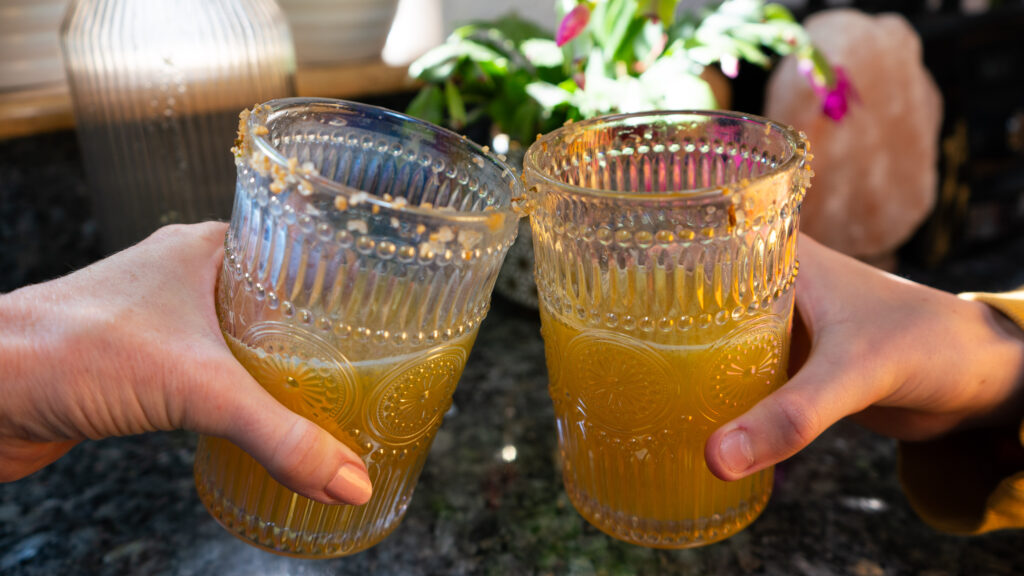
<point>19,353</point>
<point>1002,356</point>
<point>34,366</point>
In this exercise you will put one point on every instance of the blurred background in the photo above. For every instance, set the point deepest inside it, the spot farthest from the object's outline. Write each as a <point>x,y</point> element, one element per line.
<point>362,49</point>
<point>116,117</point>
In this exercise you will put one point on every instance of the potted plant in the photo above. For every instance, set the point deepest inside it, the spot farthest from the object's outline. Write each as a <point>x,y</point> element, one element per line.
<point>607,56</point>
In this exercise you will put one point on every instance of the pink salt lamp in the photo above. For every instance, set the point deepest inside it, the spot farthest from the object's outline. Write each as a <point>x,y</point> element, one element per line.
<point>876,168</point>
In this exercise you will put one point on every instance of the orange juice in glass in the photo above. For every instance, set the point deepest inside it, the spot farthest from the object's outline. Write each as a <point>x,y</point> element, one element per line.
<point>359,263</point>
<point>665,247</point>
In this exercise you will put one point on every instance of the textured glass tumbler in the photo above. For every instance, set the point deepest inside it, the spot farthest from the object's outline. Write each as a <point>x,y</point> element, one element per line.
<point>157,86</point>
<point>359,263</point>
<point>665,259</point>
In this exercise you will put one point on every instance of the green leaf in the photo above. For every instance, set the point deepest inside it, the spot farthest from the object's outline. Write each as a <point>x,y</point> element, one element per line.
<point>492,70</point>
<point>649,37</point>
<point>436,63</point>
<point>706,55</point>
<point>674,87</point>
<point>479,52</point>
<point>610,21</point>
<point>603,95</point>
<point>505,33</point>
<point>519,30</point>
<point>630,95</point>
<point>750,52</point>
<point>596,68</point>
<point>741,9</point>
<point>666,11</point>
<point>428,105</point>
<point>623,21</point>
<point>784,37</point>
<point>774,11</point>
<point>478,76</point>
<point>569,85</point>
<point>635,30</point>
<point>475,115</point>
<point>579,49</point>
<point>439,63</point>
<point>822,67</point>
<point>684,28</point>
<point>525,122</point>
<point>467,30</point>
<point>547,95</point>
<point>456,109</point>
<point>543,53</point>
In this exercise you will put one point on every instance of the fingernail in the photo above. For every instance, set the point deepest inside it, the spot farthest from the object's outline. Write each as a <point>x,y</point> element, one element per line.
<point>350,485</point>
<point>736,452</point>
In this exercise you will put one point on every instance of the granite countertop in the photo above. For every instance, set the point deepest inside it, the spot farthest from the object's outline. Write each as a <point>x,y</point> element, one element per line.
<point>128,505</point>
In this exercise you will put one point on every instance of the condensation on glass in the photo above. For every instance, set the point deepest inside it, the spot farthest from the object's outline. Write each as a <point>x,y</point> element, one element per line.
<point>157,86</point>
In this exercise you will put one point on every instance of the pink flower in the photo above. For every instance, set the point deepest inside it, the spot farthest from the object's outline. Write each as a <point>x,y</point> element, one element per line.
<point>730,65</point>
<point>806,68</point>
<point>573,23</point>
<point>835,98</point>
<point>581,80</point>
<point>838,98</point>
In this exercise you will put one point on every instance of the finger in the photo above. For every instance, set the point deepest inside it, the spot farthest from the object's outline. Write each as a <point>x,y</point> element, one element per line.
<point>789,419</point>
<point>295,451</point>
<point>190,244</point>
<point>800,346</point>
<point>210,232</point>
<point>19,458</point>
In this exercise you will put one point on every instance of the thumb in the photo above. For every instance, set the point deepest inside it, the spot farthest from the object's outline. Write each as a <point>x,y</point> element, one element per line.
<point>296,452</point>
<point>789,419</point>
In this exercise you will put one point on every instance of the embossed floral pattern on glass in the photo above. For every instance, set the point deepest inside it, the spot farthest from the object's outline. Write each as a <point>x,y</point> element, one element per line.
<point>665,249</point>
<point>358,266</point>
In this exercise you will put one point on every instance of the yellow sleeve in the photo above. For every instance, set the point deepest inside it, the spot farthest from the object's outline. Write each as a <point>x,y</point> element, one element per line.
<point>970,482</point>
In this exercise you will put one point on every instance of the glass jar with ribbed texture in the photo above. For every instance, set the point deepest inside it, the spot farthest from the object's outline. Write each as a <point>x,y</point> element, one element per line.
<point>157,86</point>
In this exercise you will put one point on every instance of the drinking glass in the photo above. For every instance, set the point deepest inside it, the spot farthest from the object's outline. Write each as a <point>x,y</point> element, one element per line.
<point>665,247</point>
<point>359,263</point>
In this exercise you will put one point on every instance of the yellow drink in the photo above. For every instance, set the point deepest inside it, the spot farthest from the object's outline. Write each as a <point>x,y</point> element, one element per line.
<point>358,266</point>
<point>386,409</point>
<point>665,246</point>
<point>633,417</point>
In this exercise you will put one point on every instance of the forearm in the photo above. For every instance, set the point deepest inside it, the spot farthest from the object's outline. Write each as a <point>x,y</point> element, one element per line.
<point>19,353</point>
<point>30,362</point>
<point>972,480</point>
<point>1004,364</point>
<point>983,359</point>
<point>30,437</point>
<point>75,365</point>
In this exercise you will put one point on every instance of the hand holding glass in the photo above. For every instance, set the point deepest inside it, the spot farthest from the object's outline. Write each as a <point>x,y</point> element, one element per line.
<point>665,248</point>
<point>359,263</point>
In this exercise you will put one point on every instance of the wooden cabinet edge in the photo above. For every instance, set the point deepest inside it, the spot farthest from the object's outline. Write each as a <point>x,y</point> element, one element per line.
<point>41,109</point>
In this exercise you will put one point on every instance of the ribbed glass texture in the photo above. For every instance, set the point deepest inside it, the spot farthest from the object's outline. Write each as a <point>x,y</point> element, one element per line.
<point>359,263</point>
<point>157,86</point>
<point>665,248</point>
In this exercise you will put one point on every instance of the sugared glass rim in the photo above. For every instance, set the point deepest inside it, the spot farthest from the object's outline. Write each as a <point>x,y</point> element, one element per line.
<point>796,140</point>
<point>279,106</point>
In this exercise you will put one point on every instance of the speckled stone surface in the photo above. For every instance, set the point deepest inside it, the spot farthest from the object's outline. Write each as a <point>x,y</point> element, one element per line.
<point>127,506</point>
